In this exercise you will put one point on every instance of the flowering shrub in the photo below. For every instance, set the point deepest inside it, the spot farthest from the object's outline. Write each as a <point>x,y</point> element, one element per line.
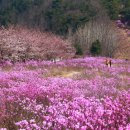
<point>96,99</point>
<point>20,44</point>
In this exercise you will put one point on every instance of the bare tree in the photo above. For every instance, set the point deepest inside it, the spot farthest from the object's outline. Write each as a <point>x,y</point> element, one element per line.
<point>99,28</point>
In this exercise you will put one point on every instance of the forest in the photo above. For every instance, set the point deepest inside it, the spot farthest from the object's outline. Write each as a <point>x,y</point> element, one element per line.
<point>58,15</point>
<point>52,15</point>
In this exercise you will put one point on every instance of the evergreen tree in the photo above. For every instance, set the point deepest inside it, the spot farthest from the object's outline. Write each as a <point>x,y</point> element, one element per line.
<point>79,50</point>
<point>96,48</point>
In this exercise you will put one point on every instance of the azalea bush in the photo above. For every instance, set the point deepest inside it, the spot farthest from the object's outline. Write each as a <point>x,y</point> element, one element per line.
<point>21,44</point>
<point>98,98</point>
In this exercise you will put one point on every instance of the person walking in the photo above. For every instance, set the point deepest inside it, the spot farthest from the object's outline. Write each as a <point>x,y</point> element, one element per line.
<point>108,62</point>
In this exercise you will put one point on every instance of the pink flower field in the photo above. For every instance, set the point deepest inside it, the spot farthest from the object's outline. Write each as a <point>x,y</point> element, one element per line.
<point>75,94</point>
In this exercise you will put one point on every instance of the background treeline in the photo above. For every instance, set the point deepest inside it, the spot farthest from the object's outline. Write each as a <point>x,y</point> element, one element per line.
<point>50,15</point>
<point>116,7</point>
<point>58,15</point>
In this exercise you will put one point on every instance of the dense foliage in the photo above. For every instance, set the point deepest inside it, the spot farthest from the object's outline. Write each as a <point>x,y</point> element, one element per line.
<point>96,48</point>
<point>52,15</point>
<point>98,98</point>
<point>113,7</point>
<point>126,10</point>
<point>116,7</point>
<point>79,50</point>
<point>21,44</point>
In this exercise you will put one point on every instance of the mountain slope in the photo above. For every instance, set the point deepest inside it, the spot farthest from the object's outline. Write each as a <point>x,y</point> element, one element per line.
<point>51,15</point>
<point>124,49</point>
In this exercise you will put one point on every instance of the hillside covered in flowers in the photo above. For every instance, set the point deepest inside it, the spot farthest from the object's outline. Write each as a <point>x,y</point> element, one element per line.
<point>42,96</point>
<point>64,64</point>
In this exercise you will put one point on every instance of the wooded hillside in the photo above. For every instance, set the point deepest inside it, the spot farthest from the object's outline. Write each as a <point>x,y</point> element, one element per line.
<point>118,9</point>
<point>51,15</point>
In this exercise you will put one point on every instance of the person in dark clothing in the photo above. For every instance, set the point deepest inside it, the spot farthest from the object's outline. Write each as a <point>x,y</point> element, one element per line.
<point>108,62</point>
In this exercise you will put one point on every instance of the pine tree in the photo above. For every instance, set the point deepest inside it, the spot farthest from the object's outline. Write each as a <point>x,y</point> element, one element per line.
<point>96,48</point>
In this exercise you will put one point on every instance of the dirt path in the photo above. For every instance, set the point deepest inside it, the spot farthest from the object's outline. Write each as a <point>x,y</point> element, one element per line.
<point>70,74</point>
<point>65,73</point>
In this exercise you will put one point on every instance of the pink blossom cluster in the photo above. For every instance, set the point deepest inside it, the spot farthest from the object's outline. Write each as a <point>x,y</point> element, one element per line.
<point>96,99</point>
<point>21,44</point>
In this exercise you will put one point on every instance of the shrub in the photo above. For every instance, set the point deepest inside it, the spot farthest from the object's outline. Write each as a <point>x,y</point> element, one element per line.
<point>79,50</point>
<point>20,44</point>
<point>96,48</point>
